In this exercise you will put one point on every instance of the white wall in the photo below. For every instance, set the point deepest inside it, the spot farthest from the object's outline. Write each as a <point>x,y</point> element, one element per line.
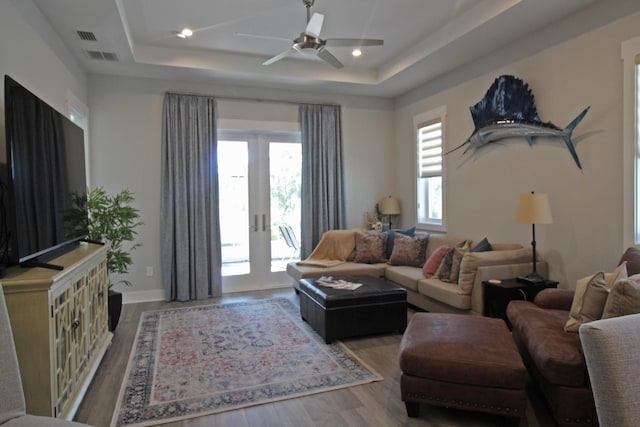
<point>126,116</point>
<point>483,186</point>
<point>33,54</point>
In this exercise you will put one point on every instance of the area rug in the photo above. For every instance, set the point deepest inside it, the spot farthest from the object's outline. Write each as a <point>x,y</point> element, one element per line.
<point>197,361</point>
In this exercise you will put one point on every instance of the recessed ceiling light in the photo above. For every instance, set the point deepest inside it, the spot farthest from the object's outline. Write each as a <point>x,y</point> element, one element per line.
<point>185,33</point>
<point>356,52</point>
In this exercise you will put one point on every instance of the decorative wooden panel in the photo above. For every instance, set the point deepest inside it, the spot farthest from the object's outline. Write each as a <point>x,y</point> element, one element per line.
<point>63,313</point>
<point>98,315</point>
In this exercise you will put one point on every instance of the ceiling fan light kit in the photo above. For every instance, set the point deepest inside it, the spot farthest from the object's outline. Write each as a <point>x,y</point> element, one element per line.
<point>309,42</point>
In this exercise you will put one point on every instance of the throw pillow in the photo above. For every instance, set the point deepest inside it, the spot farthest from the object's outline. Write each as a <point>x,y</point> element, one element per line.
<point>444,270</point>
<point>482,246</point>
<point>624,298</point>
<point>588,307</point>
<point>391,234</point>
<point>578,314</point>
<point>458,253</point>
<point>409,251</point>
<point>370,247</point>
<point>431,266</point>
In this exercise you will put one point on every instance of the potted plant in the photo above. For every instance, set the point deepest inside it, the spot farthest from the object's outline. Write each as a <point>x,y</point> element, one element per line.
<point>111,219</point>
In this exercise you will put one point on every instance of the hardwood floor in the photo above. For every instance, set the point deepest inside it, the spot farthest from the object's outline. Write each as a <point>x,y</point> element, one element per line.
<point>375,404</point>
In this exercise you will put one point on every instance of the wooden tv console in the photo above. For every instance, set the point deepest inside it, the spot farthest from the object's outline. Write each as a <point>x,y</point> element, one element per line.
<point>59,324</point>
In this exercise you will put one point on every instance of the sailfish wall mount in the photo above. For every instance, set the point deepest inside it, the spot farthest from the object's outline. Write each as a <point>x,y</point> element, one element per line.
<point>508,110</point>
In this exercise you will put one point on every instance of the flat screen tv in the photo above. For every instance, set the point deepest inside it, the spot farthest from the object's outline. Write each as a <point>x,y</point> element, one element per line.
<point>45,166</point>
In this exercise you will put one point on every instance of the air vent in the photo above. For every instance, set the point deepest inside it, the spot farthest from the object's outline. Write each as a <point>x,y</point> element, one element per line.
<point>101,56</point>
<point>109,56</point>
<point>86,36</point>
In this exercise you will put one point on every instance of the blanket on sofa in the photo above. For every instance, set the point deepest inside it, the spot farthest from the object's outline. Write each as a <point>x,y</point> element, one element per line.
<point>334,248</point>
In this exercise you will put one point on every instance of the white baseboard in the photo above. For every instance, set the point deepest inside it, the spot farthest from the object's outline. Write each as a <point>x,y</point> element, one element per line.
<point>131,297</point>
<point>232,289</point>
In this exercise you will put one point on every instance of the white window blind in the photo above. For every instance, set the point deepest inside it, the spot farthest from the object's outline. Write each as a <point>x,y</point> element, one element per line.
<point>430,149</point>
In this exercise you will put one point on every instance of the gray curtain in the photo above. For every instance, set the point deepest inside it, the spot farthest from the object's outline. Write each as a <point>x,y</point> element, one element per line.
<point>322,173</point>
<point>189,221</point>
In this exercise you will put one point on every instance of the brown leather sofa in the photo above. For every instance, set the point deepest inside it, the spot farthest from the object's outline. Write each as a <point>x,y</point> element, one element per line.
<point>553,357</point>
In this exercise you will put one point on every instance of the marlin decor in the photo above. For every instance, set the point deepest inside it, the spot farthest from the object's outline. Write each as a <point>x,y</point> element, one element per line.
<point>508,110</point>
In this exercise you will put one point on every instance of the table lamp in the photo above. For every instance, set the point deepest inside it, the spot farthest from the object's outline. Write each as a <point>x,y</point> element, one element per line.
<point>533,209</point>
<point>390,206</point>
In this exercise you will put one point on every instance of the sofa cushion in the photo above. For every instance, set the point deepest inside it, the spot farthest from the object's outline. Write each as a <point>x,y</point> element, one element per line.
<point>556,354</point>
<point>586,311</point>
<point>409,251</point>
<point>371,247</point>
<point>404,276</point>
<point>411,232</point>
<point>472,260</point>
<point>624,298</point>
<point>554,298</point>
<point>431,265</point>
<point>444,292</point>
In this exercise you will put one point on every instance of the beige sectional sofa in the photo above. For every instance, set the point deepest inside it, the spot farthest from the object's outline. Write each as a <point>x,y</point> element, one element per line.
<point>432,294</point>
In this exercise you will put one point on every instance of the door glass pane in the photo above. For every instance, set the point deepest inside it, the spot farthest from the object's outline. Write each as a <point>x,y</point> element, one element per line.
<point>285,166</point>
<point>234,210</point>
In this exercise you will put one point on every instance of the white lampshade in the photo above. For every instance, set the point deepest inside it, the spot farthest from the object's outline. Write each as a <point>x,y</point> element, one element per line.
<point>390,206</point>
<point>533,208</point>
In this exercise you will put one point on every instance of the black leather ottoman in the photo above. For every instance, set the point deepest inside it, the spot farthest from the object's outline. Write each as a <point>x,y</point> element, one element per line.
<point>377,306</point>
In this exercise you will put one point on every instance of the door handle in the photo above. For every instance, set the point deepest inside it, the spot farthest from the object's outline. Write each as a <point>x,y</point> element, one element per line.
<point>264,222</point>
<point>254,227</point>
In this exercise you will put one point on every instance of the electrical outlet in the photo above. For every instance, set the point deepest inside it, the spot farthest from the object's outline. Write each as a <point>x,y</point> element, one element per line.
<point>149,271</point>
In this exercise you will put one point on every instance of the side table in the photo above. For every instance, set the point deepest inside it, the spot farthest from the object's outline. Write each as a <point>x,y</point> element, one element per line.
<point>498,295</point>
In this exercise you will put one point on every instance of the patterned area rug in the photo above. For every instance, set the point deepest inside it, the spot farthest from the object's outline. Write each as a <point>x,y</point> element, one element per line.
<point>197,361</point>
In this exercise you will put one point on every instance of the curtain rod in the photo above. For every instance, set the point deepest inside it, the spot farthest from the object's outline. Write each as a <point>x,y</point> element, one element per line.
<point>242,98</point>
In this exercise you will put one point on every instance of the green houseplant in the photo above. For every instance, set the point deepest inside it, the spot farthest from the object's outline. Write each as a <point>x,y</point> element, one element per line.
<point>111,219</point>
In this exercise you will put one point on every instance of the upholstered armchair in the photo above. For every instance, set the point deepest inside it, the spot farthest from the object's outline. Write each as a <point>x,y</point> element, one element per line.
<point>611,348</point>
<point>12,404</point>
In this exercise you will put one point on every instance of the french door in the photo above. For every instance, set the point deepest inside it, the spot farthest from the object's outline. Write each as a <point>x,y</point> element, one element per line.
<point>259,180</point>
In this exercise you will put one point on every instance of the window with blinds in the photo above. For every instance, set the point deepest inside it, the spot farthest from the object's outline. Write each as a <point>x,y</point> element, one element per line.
<point>429,156</point>
<point>430,149</point>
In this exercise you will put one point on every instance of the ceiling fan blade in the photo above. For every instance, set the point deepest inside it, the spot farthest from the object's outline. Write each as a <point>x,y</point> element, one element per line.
<point>263,37</point>
<point>329,58</point>
<point>354,42</point>
<point>279,56</point>
<point>315,25</point>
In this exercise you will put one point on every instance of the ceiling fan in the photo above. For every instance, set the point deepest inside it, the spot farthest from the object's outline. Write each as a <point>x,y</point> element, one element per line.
<point>310,43</point>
